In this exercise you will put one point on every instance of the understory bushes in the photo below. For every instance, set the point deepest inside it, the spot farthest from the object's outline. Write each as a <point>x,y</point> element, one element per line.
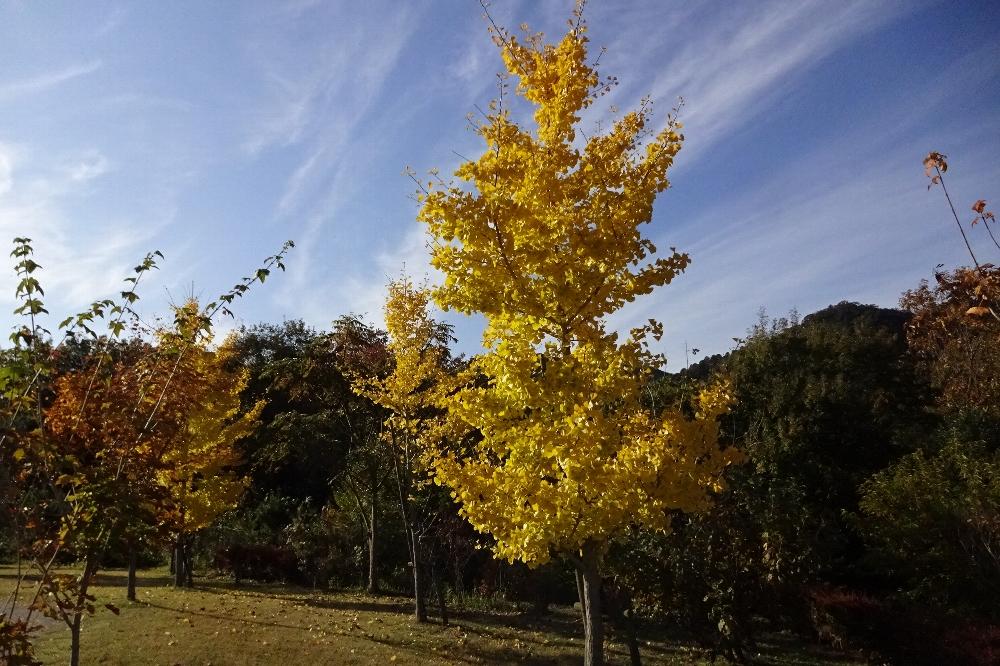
<point>902,633</point>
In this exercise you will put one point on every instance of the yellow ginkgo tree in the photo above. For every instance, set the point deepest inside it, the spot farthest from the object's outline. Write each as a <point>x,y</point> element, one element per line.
<point>412,393</point>
<point>198,466</point>
<point>542,237</point>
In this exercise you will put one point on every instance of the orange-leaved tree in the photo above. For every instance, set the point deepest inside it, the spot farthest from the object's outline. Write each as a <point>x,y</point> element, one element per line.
<point>544,240</point>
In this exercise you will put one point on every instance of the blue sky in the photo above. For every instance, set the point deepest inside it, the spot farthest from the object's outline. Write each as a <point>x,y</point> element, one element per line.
<point>215,131</point>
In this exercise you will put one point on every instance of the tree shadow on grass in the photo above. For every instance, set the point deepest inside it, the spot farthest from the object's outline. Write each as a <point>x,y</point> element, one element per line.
<point>323,600</point>
<point>116,579</point>
<point>228,618</point>
<point>524,650</point>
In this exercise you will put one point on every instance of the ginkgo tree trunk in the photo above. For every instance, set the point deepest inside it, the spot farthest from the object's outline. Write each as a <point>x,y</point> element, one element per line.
<point>541,235</point>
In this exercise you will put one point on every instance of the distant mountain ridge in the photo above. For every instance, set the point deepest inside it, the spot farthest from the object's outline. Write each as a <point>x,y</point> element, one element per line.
<point>845,314</point>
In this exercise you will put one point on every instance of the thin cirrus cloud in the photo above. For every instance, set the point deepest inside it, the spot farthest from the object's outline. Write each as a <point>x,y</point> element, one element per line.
<point>732,66</point>
<point>42,82</point>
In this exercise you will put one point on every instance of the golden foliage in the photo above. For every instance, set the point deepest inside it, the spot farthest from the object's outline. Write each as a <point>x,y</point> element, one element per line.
<point>197,467</point>
<point>544,240</point>
<point>413,390</point>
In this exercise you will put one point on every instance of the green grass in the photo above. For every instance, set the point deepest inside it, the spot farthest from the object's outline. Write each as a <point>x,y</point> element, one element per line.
<point>217,623</point>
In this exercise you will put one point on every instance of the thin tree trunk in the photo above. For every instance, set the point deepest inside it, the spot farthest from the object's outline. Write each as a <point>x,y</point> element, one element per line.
<point>89,571</point>
<point>633,647</point>
<point>188,567</point>
<point>403,484</point>
<point>179,561</point>
<point>437,581</point>
<point>372,558</point>
<point>593,650</point>
<point>132,561</point>
<point>625,616</point>
<point>419,601</point>
<point>74,648</point>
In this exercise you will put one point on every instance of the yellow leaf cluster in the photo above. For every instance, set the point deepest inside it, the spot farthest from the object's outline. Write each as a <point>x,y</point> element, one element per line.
<point>413,390</point>
<point>546,240</point>
<point>197,466</point>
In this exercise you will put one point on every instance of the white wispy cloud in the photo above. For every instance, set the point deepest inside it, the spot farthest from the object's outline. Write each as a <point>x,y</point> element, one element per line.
<point>91,165</point>
<point>42,82</point>
<point>78,268</point>
<point>283,122</point>
<point>730,67</point>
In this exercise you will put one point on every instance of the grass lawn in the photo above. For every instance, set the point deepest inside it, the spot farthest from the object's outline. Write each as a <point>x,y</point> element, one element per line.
<point>217,623</point>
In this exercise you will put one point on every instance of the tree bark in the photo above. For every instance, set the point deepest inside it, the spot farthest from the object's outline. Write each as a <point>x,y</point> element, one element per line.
<point>74,647</point>
<point>372,558</point>
<point>188,567</point>
<point>593,620</point>
<point>419,601</point>
<point>132,561</point>
<point>179,561</point>
<point>89,571</point>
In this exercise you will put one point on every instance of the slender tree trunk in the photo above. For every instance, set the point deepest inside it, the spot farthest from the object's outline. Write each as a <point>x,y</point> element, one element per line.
<point>89,571</point>
<point>132,561</point>
<point>419,596</point>
<point>188,567</point>
<point>412,541</point>
<point>372,558</point>
<point>593,621</point>
<point>624,616</point>
<point>179,561</point>
<point>438,582</point>
<point>74,647</point>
